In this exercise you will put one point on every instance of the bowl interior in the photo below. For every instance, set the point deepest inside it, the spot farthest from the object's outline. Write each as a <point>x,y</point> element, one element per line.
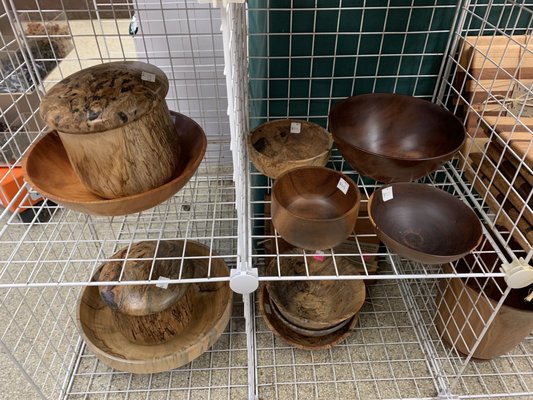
<point>396,126</point>
<point>48,170</point>
<point>312,193</point>
<point>426,219</point>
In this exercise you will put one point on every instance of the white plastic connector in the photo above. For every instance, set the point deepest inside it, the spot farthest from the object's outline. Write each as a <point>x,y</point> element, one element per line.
<point>518,274</point>
<point>244,282</point>
<point>220,3</point>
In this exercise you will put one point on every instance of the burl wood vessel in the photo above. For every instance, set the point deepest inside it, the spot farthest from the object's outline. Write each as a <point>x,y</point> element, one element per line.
<point>148,314</point>
<point>115,126</point>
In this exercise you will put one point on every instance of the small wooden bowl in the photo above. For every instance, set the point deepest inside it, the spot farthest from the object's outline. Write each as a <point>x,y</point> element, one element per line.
<point>147,314</point>
<point>212,303</point>
<point>296,339</point>
<point>274,149</point>
<point>115,125</point>
<point>394,138</point>
<point>310,211</point>
<point>423,223</point>
<point>48,170</point>
<point>315,304</point>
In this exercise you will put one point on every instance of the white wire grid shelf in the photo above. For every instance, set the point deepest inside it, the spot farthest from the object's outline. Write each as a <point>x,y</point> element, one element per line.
<point>395,351</point>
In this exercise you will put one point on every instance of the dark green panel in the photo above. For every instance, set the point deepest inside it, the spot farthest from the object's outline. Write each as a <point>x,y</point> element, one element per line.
<point>279,46</point>
<point>299,88</point>
<point>302,45</point>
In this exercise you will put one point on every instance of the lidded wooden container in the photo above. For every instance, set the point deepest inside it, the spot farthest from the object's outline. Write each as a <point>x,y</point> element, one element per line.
<point>115,126</point>
<point>148,314</point>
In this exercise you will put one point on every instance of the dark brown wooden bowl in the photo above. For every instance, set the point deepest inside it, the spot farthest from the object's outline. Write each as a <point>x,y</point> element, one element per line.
<point>309,210</point>
<point>394,138</point>
<point>48,170</point>
<point>423,223</point>
<point>315,304</point>
<point>296,339</point>
<point>274,149</point>
<point>212,304</point>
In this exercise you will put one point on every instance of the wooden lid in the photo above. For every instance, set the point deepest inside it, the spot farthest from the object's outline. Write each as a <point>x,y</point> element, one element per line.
<point>147,299</point>
<point>103,97</point>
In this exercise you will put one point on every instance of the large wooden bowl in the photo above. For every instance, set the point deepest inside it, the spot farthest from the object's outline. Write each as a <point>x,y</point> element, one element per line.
<point>48,170</point>
<point>315,304</point>
<point>274,149</point>
<point>310,211</point>
<point>394,138</point>
<point>212,303</point>
<point>296,339</point>
<point>423,223</point>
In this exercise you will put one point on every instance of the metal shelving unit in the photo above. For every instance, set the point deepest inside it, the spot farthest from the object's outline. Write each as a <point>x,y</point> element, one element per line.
<point>232,68</point>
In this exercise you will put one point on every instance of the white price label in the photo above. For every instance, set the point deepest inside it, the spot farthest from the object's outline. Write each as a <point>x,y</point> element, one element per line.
<point>163,282</point>
<point>386,194</point>
<point>35,196</point>
<point>343,186</point>
<point>147,76</point>
<point>296,127</point>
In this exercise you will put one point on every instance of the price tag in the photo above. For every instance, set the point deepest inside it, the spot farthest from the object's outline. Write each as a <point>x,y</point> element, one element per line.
<point>163,282</point>
<point>343,186</point>
<point>296,127</point>
<point>386,194</point>
<point>35,196</point>
<point>147,76</point>
<point>319,256</point>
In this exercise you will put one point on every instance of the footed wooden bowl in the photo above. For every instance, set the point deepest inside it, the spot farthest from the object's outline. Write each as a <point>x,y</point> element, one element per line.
<point>423,223</point>
<point>212,303</point>
<point>394,138</point>
<point>310,211</point>
<point>48,170</point>
<point>274,149</point>
<point>296,339</point>
<point>315,304</point>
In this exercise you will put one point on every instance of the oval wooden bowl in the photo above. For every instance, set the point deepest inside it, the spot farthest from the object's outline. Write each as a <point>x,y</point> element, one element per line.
<point>296,339</point>
<point>394,138</point>
<point>148,314</point>
<point>315,304</point>
<point>423,223</point>
<point>48,170</point>
<point>309,210</point>
<point>212,303</point>
<point>115,127</point>
<point>462,314</point>
<point>273,149</point>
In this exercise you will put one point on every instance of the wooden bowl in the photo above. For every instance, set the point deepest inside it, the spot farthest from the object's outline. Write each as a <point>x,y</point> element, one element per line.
<point>315,304</point>
<point>296,339</point>
<point>148,314</point>
<point>310,211</point>
<point>423,223</point>
<point>212,303</point>
<point>115,126</point>
<point>394,138</point>
<point>274,149</point>
<point>48,170</point>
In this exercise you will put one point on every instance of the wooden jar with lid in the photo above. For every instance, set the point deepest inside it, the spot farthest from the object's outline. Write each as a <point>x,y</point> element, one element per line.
<point>148,314</point>
<point>115,126</point>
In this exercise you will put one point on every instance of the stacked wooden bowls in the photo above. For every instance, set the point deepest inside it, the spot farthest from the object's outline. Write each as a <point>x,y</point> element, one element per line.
<point>312,314</point>
<point>148,328</point>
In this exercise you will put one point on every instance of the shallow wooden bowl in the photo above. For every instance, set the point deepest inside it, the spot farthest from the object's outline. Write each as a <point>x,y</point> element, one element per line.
<point>274,149</point>
<point>296,339</point>
<point>310,211</point>
<point>394,138</point>
<point>148,314</point>
<point>212,303</point>
<point>48,170</point>
<point>423,223</point>
<point>315,304</point>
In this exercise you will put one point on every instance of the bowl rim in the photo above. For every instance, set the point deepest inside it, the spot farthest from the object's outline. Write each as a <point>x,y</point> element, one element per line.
<point>337,138</point>
<point>428,188</point>
<point>350,181</point>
